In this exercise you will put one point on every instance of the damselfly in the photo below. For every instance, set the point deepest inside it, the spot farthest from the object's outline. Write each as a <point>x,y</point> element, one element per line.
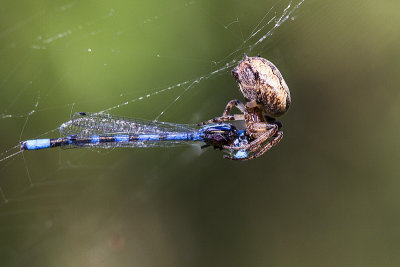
<point>96,130</point>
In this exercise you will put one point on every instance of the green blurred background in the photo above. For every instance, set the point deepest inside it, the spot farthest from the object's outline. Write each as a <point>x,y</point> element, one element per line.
<point>327,195</point>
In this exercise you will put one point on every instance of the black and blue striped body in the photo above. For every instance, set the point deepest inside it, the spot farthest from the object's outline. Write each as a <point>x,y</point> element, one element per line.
<point>212,134</point>
<point>103,131</point>
<point>96,139</point>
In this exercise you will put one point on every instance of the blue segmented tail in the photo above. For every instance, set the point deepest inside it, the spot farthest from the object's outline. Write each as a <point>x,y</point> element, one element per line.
<point>104,131</point>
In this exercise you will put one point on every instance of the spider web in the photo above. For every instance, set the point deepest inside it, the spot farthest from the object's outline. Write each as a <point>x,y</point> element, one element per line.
<point>38,94</point>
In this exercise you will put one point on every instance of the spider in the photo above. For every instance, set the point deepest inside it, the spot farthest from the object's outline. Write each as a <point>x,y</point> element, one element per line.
<point>268,97</point>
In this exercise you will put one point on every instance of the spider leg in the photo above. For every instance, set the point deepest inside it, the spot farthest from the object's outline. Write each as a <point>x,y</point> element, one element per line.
<point>236,117</point>
<point>278,136</point>
<point>225,115</point>
<point>234,103</point>
<point>267,131</point>
<point>269,145</point>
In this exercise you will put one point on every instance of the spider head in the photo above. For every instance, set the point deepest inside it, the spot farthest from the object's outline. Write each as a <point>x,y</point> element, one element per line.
<point>260,81</point>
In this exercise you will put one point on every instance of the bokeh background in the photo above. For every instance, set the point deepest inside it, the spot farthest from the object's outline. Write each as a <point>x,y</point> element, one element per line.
<point>327,195</point>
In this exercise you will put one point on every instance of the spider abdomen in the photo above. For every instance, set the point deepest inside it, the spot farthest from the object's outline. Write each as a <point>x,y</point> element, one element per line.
<point>260,81</point>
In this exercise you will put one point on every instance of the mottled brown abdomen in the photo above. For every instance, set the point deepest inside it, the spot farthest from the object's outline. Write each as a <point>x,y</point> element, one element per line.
<point>260,81</point>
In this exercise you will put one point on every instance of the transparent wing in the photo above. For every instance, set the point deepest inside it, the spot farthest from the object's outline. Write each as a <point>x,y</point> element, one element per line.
<point>146,144</point>
<point>88,124</point>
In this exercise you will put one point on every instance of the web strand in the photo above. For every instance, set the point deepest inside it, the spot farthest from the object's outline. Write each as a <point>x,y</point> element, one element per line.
<point>265,27</point>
